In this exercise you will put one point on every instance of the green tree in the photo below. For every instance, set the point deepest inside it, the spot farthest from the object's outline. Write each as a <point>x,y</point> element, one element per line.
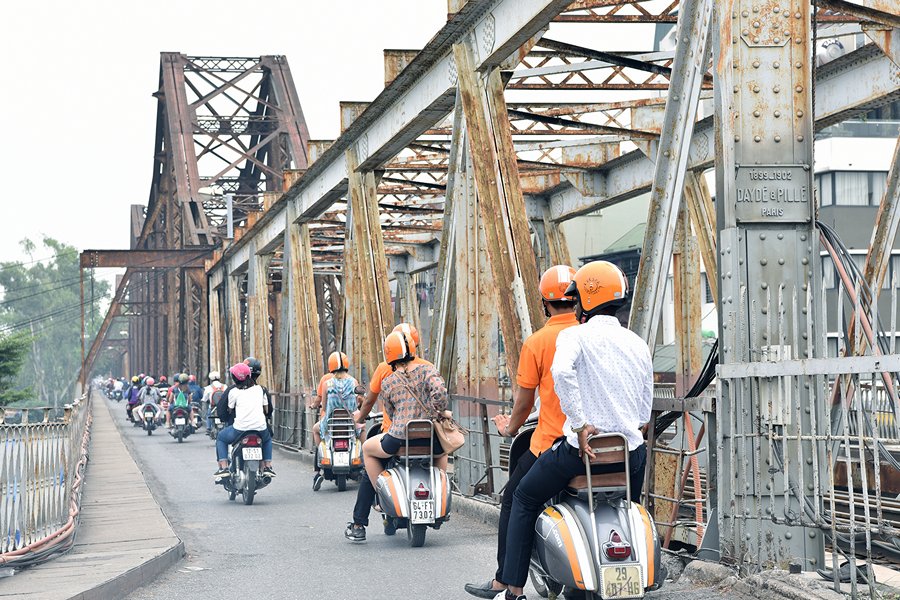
<point>42,299</point>
<point>13,351</point>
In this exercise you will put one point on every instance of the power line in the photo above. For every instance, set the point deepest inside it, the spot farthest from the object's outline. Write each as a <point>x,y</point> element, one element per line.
<point>37,285</point>
<point>16,264</point>
<point>7,301</point>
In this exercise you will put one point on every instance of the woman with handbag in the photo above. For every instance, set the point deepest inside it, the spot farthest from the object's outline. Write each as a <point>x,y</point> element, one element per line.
<point>411,392</point>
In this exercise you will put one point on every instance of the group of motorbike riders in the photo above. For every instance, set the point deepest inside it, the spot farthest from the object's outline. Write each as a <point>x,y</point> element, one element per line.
<point>592,376</point>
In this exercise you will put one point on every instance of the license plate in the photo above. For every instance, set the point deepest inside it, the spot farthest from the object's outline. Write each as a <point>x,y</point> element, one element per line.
<point>252,453</point>
<point>342,459</point>
<point>421,511</point>
<point>180,421</point>
<point>621,582</point>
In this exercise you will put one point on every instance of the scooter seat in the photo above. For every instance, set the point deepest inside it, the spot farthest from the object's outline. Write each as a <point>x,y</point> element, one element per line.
<point>414,451</point>
<point>599,482</point>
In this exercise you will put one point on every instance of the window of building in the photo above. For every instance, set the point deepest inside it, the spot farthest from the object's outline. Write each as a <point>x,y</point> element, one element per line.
<point>851,188</point>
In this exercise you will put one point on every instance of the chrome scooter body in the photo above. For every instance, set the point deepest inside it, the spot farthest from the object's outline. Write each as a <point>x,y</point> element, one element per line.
<point>412,492</point>
<point>593,541</point>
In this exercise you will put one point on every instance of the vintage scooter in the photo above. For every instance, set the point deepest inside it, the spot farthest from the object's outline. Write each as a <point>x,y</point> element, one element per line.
<point>592,540</point>
<point>412,493</point>
<point>340,453</point>
<point>246,468</point>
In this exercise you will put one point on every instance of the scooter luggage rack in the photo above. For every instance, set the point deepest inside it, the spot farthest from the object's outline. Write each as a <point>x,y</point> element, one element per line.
<point>609,448</point>
<point>418,429</point>
<point>341,425</point>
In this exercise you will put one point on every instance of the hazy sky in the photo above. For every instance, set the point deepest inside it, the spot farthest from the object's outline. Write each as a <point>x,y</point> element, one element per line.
<point>76,100</point>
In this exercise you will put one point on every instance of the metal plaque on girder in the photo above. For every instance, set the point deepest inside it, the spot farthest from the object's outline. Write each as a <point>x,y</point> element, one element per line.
<point>767,193</point>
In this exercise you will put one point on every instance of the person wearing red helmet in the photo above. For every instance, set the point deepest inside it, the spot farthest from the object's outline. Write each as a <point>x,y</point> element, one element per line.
<point>248,402</point>
<point>533,376</point>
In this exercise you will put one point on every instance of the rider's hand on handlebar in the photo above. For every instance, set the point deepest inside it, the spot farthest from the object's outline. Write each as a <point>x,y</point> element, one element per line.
<point>583,446</point>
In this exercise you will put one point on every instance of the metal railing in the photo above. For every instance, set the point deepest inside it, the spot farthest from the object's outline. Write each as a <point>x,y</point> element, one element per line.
<point>41,469</point>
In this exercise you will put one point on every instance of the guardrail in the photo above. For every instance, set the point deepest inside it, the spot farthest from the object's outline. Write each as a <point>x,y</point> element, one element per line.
<point>41,471</point>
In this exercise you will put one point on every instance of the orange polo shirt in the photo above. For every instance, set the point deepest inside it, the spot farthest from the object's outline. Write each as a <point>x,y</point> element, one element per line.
<point>381,372</point>
<point>534,372</point>
<point>321,390</point>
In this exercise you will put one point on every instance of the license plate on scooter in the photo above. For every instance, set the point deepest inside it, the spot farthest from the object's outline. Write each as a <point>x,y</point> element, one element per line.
<point>341,459</point>
<point>421,511</point>
<point>252,453</point>
<point>180,421</point>
<point>621,582</point>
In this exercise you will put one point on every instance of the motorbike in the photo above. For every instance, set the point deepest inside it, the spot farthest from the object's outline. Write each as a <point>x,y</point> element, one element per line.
<point>592,541</point>
<point>181,423</point>
<point>246,469</point>
<point>116,395</point>
<point>340,453</point>
<point>414,494</point>
<point>196,421</point>
<point>148,418</point>
<point>217,426</point>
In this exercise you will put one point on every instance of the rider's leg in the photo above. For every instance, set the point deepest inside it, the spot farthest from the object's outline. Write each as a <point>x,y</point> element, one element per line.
<point>266,447</point>
<point>372,453</point>
<point>441,462</point>
<point>317,436</point>
<point>225,438</point>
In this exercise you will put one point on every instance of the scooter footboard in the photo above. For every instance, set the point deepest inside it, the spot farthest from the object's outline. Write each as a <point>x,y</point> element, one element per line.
<point>563,550</point>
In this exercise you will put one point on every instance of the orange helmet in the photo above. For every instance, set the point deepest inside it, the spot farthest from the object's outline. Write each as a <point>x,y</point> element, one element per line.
<point>597,285</point>
<point>409,330</point>
<point>555,281</point>
<point>398,346</point>
<point>338,361</point>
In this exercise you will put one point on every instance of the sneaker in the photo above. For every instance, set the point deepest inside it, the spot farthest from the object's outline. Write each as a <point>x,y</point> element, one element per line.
<point>221,474</point>
<point>483,590</point>
<point>503,596</point>
<point>268,472</point>
<point>355,533</point>
<point>317,483</point>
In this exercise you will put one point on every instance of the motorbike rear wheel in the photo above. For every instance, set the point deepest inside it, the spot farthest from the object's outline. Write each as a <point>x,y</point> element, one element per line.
<point>149,431</point>
<point>341,481</point>
<point>249,490</point>
<point>416,535</point>
<point>179,435</point>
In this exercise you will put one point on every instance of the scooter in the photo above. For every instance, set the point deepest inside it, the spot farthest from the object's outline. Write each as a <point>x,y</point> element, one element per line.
<point>340,454</point>
<point>148,418</point>
<point>196,421</point>
<point>218,426</point>
<point>246,469</point>
<point>181,426</point>
<point>592,540</point>
<point>412,492</point>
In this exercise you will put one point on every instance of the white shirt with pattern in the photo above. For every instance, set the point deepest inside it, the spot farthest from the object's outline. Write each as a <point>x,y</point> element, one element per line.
<point>603,375</point>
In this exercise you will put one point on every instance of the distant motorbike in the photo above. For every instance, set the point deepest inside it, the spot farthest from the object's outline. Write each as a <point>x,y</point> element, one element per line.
<point>181,423</point>
<point>116,395</point>
<point>196,421</point>
<point>340,453</point>
<point>217,426</point>
<point>592,540</point>
<point>246,476</point>
<point>148,418</point>
<point>412,492</point>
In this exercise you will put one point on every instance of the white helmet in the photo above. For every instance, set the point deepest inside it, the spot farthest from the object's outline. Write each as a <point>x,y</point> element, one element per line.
<point>214,376</point>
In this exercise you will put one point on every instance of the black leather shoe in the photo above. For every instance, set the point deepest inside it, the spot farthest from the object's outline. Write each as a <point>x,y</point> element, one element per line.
<point>482,590</point>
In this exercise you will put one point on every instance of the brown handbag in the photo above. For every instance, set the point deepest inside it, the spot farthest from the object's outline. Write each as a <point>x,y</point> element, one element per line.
<point>450,434</point>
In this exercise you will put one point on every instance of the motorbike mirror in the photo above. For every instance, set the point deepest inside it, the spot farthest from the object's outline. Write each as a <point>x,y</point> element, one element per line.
<point>359,390</point>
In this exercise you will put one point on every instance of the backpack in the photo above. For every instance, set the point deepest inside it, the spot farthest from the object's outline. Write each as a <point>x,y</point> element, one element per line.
<point>180,399</point>
<point>216,396</point>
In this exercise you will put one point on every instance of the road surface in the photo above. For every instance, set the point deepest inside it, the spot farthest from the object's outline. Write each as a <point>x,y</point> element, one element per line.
<point>290,543</point>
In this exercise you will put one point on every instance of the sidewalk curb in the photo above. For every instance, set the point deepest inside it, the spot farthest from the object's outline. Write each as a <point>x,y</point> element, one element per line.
<point>125,583</point>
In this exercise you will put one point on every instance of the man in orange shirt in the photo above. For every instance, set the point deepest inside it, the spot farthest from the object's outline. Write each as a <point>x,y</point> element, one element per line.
<point>533,374</point>
<point>365,494</point>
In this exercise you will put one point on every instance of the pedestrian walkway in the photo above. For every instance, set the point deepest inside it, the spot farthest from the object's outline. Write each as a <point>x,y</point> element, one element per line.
<point>123,538</point>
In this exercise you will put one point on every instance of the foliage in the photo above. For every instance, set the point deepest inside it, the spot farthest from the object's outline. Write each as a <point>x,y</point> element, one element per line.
<point>13,351</point>
<point>42,298</point>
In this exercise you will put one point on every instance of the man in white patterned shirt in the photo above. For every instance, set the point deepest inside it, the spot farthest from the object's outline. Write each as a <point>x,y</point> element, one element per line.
<point>603,375</point>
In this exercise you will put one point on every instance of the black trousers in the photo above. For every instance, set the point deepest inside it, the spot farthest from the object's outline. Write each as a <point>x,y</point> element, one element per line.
<point>549,476</point>
<point>526,461</point>
<point>365,497</point>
